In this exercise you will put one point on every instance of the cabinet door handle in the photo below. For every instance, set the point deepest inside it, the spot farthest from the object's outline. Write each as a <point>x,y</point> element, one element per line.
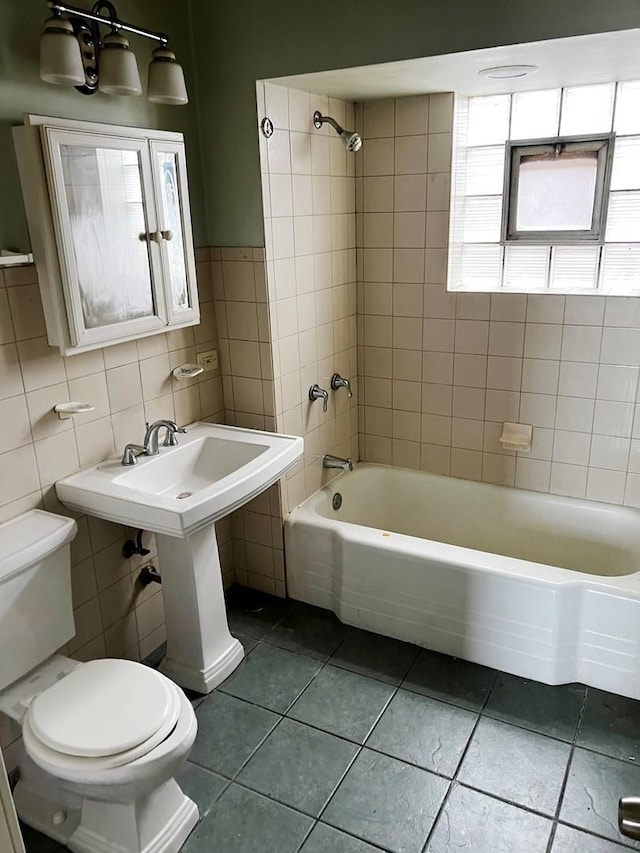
<point>167,235</point>
<point>156,236</point>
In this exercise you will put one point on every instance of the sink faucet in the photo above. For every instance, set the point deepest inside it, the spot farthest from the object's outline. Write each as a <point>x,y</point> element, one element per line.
<point>151,436</point>
<point>330,461</point>
<point>150,446</point>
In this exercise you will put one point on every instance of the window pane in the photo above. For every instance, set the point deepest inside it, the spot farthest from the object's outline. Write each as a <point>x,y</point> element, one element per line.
<point>535,114</point>
<point>556,193</point>
<point>485,170</point>
<point>628,108</point>
<point>587,109</point>
<point>488,119</point>
<point>482,219</point>
<point>526,267</point>
<point>481,267</point>
<point>574,267</point>
<point>620,268</point>
<point>107,216</point>
<point>623,221</point>
<point>626,164</point>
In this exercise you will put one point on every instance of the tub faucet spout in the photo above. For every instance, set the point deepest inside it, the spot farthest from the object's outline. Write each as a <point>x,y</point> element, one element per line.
<point>330,461</point>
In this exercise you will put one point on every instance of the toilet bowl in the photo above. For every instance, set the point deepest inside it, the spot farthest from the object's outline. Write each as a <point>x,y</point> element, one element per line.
<point>102,740</point>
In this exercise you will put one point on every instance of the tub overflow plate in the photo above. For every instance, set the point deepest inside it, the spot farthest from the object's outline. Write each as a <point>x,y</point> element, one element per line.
<point>337,500</point>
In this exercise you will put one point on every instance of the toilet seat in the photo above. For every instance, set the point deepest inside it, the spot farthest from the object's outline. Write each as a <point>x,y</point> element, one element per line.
<point>104,714</point>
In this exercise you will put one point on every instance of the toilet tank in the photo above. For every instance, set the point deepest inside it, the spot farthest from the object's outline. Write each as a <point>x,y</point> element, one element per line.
<point>36,612</point>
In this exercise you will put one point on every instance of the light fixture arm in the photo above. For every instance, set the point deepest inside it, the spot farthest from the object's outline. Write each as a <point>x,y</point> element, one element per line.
<point>111,20</point>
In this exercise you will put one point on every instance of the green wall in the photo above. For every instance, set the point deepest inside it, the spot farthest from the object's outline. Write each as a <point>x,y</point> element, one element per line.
<point>22,91</point>
<point>237,42</point>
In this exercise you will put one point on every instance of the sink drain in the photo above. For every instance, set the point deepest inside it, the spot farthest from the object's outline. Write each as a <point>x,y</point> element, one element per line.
<point>183,495</point>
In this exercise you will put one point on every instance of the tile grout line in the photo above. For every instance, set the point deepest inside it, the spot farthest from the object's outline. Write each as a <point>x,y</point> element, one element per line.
<point>454,778</point>
<point>565,779</point>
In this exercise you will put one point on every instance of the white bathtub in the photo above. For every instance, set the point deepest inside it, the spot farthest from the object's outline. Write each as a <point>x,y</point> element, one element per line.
<point>540,586</point>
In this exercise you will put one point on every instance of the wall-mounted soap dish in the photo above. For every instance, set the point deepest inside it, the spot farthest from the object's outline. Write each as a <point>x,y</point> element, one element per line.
<point>187,371</point>
<point>68,410</point>
<point>516,437</point>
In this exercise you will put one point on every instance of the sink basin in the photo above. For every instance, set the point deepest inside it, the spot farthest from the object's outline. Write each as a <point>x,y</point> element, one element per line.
<point>178,495</point>
<point>214,470</point>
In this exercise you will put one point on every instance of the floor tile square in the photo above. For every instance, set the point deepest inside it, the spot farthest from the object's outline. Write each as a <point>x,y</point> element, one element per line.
<point>476,823</point>
<point>423,731</point>
<point>450,679</point>
<point>229,732</point>
<point>517,765</point>
<point>271,677</point>
<point>595,784</point>
<point>308,630</point>
<point>569,840</point>
<point>203,786</point>
<point>549,710</point>
<point>254,623</point>
<point>326,839</point>
<point>245,822</point>
<point>610,724</point>
<point>343,703</point>
<point>375,656</point>
<point>299,766</point>
<point>387,802</point>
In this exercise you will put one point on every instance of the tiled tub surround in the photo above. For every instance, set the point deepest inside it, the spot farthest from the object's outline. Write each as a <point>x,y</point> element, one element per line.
<point>128,384</point>
<point>441,371</point>
<point>308,187</point>
<point>329,739</point>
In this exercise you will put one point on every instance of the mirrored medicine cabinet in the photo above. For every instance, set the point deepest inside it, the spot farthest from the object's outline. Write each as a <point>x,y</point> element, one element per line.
<point>110,227</point>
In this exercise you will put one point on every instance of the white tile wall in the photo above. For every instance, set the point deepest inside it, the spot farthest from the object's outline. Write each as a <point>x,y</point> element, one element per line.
<point>568,365</point>
<point>310,235</point>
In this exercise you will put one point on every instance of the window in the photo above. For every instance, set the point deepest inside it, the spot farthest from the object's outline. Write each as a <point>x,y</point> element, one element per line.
<point>546,191</point>
<point>555,190</point>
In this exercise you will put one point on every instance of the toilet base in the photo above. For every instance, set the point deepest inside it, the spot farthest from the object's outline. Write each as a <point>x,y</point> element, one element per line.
<point>157,823</point>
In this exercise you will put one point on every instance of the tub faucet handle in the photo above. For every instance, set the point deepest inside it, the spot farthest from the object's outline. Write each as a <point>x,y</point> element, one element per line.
<point>316,393</point>
<point>337,381</point>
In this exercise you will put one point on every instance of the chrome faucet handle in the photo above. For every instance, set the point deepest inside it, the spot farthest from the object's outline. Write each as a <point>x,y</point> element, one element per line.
<point>316,393</point>
<point>337,381</point>
<point>131,453</point>
<point>170,439</point>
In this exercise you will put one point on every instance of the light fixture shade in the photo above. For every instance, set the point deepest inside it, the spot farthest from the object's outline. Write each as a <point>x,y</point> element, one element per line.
<point>166,79</point>
<point>118,69</point>
<point>60,58</point>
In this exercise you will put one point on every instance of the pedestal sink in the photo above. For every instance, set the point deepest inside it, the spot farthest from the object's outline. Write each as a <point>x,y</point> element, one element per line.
<point>178,495</point>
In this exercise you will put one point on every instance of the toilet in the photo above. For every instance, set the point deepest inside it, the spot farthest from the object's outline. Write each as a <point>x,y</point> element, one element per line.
<point>103,740</point>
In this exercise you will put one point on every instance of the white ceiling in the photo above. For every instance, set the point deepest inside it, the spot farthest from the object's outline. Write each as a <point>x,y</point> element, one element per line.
<point>599,58</point>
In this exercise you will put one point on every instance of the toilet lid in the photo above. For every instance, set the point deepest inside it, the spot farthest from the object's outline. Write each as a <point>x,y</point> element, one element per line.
<point>102,708</point>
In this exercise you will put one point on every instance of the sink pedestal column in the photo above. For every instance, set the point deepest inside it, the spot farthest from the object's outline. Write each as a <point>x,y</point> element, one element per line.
<point>201,652</point>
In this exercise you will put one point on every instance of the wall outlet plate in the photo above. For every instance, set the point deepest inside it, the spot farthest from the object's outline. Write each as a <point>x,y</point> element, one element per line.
<point>208,360</point>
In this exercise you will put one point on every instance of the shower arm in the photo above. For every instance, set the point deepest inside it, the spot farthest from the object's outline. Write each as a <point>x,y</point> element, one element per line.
<point>319,120</point>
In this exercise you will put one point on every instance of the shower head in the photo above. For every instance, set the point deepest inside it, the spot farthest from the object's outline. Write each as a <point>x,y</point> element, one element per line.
<point>350,139</point>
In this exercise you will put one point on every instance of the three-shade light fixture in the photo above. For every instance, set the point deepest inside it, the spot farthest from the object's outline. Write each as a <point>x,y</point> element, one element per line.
<point>73,52</point>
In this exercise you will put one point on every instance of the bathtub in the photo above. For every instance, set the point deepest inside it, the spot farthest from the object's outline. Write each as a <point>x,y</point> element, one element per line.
<point>536,585</point>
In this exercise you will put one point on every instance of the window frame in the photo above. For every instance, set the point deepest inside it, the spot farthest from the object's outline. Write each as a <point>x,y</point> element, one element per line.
<point>603,144</point>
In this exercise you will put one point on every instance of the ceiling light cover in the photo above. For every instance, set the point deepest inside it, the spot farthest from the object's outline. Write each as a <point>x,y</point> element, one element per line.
<point>507,72</point>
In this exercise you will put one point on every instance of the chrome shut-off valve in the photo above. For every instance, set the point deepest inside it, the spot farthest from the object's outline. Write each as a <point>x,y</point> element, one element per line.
<point>318,393</point>
<point>337,381</point>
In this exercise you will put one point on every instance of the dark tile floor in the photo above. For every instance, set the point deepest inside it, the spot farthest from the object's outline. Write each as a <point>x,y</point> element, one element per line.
<point>328,739</point>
